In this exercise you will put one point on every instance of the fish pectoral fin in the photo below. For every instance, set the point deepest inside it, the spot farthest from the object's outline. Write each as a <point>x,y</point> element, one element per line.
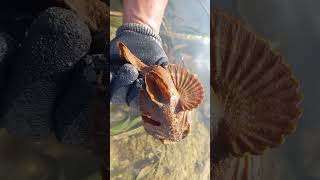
<point>128,56</point>
<point>188,86</point>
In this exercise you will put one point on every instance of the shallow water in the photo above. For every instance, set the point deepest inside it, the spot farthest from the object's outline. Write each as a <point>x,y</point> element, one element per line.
<point>137,155</point>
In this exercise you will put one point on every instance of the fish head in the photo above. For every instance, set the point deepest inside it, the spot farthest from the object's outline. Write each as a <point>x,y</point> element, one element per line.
<point>158,103</point>
<point>165,124</point>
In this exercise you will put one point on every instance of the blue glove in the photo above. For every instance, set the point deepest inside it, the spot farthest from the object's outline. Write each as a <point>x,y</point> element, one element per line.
<point>125,80</point>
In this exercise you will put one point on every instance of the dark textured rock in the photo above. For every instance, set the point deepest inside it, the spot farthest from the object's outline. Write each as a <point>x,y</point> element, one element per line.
<point>101,67</point>
<point>56,38</point>
<point>100,62</point>
<point>111,76</point>
<point>7,48</point>
<point>73,113</point>
<point>16,16</point>
<point>98,42</point>
<point>56,41</point>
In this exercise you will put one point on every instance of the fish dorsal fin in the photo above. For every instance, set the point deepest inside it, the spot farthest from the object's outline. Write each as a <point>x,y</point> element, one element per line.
<point>188,86</point>
<point>128,56</point>
<point>156,88</point>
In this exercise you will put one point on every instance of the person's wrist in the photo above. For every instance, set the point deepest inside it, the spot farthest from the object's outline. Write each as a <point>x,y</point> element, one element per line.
<point>146,12</point>
<point>149,23</point>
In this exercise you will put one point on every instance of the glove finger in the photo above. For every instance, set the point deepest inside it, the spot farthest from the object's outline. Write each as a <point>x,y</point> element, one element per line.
<point>72,114</point>
<point>114,53</point>
<point>134,93</point>
<point>57,39</point>
<point>125,75</point>
<point>113,72</point>
<point>118,96</point>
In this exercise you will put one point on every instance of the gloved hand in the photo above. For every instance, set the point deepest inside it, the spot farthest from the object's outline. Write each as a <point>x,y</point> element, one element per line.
<point>40,72</point>
<point>51,85</point>
<point>143,42</point>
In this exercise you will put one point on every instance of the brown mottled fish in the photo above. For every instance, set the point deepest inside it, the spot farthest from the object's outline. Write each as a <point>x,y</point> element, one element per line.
<point>256,99</point>
<point>167,99</point>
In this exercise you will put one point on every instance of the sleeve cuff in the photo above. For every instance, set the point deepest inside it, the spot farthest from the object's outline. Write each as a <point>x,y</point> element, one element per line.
<point>140,28</point>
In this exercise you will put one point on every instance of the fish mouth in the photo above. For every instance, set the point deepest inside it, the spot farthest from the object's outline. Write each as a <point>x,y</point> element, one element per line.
<point>150,121</point>
<point>152,127</point>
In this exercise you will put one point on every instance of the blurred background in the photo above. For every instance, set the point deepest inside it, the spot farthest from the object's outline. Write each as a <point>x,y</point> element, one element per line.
<point>22,159</point>
<point>293,27</point>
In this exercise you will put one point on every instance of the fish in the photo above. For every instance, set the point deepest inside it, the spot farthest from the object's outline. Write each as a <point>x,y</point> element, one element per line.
<point>256,99</point>
<point>166,101</point>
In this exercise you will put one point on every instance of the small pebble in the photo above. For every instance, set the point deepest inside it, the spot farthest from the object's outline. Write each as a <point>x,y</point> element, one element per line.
<point>90,74</point>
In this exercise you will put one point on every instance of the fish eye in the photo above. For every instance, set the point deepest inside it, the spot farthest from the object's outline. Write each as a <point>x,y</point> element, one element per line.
<point>150,121</point>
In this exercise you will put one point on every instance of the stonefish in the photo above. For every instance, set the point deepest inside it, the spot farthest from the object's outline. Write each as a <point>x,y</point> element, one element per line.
<point>169,95</point>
